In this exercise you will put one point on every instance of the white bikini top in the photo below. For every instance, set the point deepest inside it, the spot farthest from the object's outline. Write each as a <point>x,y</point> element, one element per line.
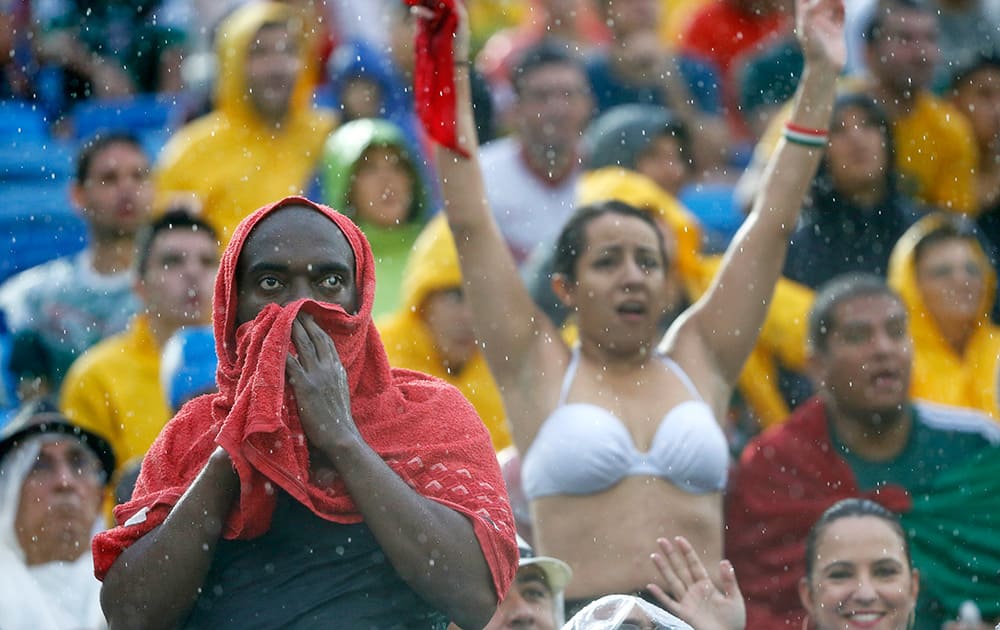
<point>583,448</point>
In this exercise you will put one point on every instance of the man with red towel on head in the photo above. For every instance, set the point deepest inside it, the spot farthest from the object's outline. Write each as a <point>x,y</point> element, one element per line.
<point>318,487</point>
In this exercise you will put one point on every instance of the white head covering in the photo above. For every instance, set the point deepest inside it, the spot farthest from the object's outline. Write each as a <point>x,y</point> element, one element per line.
<point>51,596</point>
<point>611,611</point>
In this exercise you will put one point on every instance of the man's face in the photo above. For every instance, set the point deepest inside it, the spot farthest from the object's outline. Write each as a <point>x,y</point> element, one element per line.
<point>116,195</point>
<point>904,52</point>
<point>529,603</point>
<point>272,67</point>
<point>177,286</point>
<point>553,107</point>
<point>866,365</point>
<point>292,254</point>
<point>60,501</point>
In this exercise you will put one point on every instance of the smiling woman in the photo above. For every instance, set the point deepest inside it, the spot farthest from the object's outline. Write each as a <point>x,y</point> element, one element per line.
<point>858,570</point>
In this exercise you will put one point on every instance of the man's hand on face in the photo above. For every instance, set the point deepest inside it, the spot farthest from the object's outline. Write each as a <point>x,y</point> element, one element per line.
<point>319,381</point>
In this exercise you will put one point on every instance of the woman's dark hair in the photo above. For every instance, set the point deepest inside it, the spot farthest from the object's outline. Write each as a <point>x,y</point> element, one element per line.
<point>853,508</point>
<point>573,240</point>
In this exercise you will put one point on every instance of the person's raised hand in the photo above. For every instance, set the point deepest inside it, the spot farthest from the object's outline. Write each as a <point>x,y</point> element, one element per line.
<point>819,26</point>
<point>321,388</point>
<point>689,592</point>
<point>462,45</point>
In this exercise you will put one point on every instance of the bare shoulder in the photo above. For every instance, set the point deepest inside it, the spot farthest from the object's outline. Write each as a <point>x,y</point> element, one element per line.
<point>685,343</point>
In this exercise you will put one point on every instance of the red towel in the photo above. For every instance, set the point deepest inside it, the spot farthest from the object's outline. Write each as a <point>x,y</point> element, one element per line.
<point>434,71</point>
<point>786,479</point>
<point>422,427</point>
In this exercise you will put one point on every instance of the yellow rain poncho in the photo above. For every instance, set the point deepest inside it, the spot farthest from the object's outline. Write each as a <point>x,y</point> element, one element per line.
<point>230,160</point>
<point>433,266</point>
<point>940,374</point>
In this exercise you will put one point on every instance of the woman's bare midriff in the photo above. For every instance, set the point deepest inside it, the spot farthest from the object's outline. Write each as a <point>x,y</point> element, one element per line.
<point>607,537</point>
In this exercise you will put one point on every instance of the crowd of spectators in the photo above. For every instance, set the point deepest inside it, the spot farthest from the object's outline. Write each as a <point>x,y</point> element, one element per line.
<point>136,136</point>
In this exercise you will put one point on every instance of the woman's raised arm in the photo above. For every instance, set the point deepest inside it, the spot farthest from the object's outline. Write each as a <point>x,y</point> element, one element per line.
<point>507,322</point>
<point>726,320</point>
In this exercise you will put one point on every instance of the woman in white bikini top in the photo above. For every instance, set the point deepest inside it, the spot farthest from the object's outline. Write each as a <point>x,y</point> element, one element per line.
<point>637,426</point>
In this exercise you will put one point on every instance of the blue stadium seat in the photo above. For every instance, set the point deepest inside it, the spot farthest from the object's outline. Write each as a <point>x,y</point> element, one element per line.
<point>716,209</point>
<point>35,159</point>
<point>141,114</point>
<point>37,223</point>
<point>22,120</point>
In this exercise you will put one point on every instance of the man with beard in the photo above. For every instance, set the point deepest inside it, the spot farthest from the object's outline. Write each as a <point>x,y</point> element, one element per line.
<point>114,389</point>
<point>73,302</point>
<point>531,175</point>
<point>862,436</point>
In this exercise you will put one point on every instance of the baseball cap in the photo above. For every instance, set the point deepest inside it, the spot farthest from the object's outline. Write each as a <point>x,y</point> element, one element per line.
<point>557,573</point>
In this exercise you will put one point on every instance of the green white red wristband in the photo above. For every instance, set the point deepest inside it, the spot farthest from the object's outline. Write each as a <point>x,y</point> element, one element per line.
<point>803,136</point>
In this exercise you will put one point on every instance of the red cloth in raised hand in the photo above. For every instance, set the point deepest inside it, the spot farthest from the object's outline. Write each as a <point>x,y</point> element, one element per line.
<point>422,427</point>
<point>786,478</point>
<point>434,71</point>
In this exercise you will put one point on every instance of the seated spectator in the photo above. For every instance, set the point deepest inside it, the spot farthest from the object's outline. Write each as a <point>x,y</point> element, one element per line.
<point>948,286</point>
<point>530,176</point>
<point>967,30</point>
<point>114,388</point>
<point>858,562</point>
<point>855,212</point>
<point>351,507</point>
<point>364,83</point>
<point>52,477</point>
<point>863,436</point>
<point>859,573</point>
<point>975,91</point>
<point>637,68</point>
<point>75,301</point>
<point>431,329</point>
<point>934,146</point>
<point>575,24</point>
<point>111,49</point>
<point>263,139</point>
<point>370,175</point>
<point>535,599</point>
<point>933,143</point>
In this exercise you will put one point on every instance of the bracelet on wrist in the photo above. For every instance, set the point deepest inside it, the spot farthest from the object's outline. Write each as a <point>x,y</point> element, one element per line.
<point>466,63</point>
<point>804,136</point>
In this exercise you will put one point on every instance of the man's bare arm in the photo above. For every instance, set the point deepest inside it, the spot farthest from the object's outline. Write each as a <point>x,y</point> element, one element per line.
<point>154,583</point>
